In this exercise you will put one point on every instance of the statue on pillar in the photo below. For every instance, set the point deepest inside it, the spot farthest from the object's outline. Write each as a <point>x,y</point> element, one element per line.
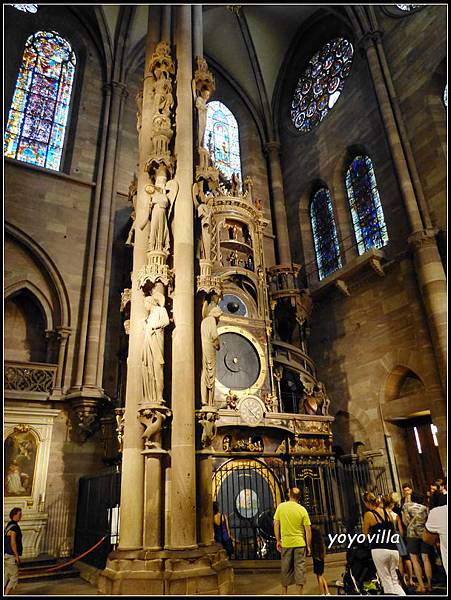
<point>204,212</point>
<point>153,348</point>
<point>203,85</point>
<point>132,194</point>
<point>210,346</point>
<point>161,198</point>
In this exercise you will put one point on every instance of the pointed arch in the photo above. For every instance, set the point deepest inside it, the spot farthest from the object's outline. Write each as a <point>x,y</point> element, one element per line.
<point>36,127</point>
<point>222,139</point>
<point>327,249</point>
<point>365,205</point>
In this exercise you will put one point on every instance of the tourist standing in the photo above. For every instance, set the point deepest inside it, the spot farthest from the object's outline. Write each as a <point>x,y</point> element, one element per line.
<point>414,516</point>
<point>12,550</point>
<point>293,540</point>
<point>383,549</point>
<point>318,555</point>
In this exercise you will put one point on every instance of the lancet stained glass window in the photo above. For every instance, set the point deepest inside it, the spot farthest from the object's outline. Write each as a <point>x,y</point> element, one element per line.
<point>321,83</point>
<point>36,125</point>
<point>325,238</point>
<point>409,7</point>
<point>366,209</point>
<point>221,139</point>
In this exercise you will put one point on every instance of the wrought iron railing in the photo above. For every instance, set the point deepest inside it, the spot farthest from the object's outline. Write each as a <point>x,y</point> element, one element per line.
<point>58,536</point>
<point>30,377</point>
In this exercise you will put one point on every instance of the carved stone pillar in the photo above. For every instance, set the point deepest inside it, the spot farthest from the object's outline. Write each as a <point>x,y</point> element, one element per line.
<point>282,237</point>
<point>183,468</point>
<point>206,418</point>
<point>428,265</point>
<point>63,334</point>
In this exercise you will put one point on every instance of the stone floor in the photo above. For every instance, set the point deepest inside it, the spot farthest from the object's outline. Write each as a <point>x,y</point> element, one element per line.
<point>246,584</point>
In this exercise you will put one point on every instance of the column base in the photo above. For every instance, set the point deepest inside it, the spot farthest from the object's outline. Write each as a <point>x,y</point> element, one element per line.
<point>203,571</point>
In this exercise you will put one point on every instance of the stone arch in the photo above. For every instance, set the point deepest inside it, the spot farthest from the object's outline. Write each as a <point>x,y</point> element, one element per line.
<point>24,285</point>
<point>349,427</point>
<point>61,305</point>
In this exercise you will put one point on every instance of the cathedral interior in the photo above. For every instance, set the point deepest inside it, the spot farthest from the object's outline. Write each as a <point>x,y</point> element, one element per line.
<point>225,257</point>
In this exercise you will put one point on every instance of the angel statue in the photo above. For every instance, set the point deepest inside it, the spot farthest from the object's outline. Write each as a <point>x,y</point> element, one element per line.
<point>204,210</point>
<point>310,402</point>
<point>161,197</point>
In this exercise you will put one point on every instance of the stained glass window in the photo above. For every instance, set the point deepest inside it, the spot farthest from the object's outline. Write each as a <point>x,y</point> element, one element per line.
<point>26,7</point>
<point>366,209</point>
<point>321,83</point>
<point>221,139</point>
<point>325,238</point>
<point>409,7</point>
<point>445,96</point>
<point>37,120</point>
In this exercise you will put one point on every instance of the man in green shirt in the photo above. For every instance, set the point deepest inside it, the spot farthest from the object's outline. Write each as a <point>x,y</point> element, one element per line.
<point>293,537</point>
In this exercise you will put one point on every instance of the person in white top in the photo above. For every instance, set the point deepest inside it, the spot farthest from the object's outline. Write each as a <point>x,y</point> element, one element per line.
<point>437,525</point>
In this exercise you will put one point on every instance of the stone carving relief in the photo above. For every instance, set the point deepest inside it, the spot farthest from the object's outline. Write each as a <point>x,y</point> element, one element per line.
<point>120,425</point>
<point>251,444</point>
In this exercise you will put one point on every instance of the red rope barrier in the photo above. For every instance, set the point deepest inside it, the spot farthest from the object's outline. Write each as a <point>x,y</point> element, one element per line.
<point>38,572</point>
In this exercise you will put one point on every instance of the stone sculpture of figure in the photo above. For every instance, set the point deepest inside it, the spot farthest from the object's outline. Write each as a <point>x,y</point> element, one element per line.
<point>201,99</point>
<point>153,348</point>
<point>210,346</point>
<point>227,443</point>
<point>162,96</point>
<point>162,196</point>
<point>132,195</point>
<point>322,398</point>
<point>235,184</point>
<point>232,400</point>
<point>204,212</point>
<point>209,429</point>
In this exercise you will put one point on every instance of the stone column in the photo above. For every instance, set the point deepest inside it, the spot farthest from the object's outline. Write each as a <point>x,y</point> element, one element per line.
<point>63,335</point>
<point>272,150</point>
<point>205,509</point>
<point>428,265</point>
<point>132,482</point>
<point>183,472</point>
<point>198,42</point>
<point>94,298</point>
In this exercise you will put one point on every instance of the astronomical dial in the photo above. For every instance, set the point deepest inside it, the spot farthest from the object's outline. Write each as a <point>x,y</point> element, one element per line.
<point>232,305</point>
<point>238,364</point>
<point>251,410</point>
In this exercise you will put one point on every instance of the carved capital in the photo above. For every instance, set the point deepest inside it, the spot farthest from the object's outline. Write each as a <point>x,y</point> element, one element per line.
<point>86,417</point>
<point>153,417</point>
<point>421,238</point>
<point>368,39</point>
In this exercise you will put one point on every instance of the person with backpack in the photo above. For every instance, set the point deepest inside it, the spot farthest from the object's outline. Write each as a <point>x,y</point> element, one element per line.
<point>379,529</point>
<point>222,530</point>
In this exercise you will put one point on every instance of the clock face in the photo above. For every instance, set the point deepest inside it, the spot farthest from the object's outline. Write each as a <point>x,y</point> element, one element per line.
<point>251,410</point>
<point>232,305</point>
<point>238,363</point>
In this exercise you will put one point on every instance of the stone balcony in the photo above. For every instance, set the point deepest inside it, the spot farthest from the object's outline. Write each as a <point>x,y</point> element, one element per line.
<point>29,380</point>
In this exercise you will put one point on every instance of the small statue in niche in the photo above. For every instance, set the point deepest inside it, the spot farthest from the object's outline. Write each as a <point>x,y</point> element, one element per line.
<point>161,197</point>
<point>249,184</point>
<point>309,401</point>
<point>235,184</point>
<point>210,346</point>
<point>153,348</point>
<point>162,96</point>
<point>227,443</point>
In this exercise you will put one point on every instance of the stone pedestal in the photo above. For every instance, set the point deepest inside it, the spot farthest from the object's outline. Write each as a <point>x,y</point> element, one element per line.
<point>204,571</point>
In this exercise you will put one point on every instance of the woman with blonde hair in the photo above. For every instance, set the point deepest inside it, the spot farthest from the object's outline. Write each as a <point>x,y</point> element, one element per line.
<point>390,501</point>
<point>379,528</point>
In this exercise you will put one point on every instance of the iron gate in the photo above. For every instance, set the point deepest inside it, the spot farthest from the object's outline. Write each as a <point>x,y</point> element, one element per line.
<point>249,490</point>
<point>97,494</point>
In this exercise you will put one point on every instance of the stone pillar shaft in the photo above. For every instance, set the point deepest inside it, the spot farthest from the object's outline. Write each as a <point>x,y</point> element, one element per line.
<point>205,508</point>
<point>281,226</point>
<point>198,42</point>
<point>152,504</point>
<point>132,482</point>
<point>183,485</point>
<point>93,364</point>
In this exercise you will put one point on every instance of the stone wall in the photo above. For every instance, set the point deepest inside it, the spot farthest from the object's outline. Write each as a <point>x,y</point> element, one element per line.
<point>357,341</point>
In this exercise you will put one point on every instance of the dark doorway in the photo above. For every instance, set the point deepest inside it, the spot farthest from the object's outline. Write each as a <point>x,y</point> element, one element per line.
<point>422,451</point>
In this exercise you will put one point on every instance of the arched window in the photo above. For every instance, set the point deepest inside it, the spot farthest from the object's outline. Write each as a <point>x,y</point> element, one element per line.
<point>221,139</point>
<point>37,120</point>
<point>325,238</point>
<point>366,209</point>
